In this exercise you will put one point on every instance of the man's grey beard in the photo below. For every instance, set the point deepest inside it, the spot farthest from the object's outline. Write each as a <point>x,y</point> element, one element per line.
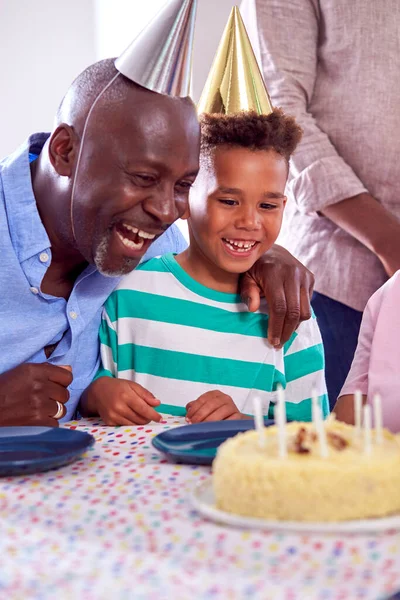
<point>100,259</point>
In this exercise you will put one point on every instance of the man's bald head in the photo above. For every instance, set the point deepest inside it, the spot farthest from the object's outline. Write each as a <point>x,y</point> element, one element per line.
<point>84,90</point>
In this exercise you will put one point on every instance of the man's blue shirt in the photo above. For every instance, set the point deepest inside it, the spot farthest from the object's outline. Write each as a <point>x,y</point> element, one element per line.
<point>31,320</point>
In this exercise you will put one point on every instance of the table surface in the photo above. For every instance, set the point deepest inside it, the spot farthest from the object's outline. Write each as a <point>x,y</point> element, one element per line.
<point>118,524</point>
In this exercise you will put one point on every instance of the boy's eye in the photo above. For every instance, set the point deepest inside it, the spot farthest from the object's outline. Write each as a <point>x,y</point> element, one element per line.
<point>228,201</point>
<point>268,206</point>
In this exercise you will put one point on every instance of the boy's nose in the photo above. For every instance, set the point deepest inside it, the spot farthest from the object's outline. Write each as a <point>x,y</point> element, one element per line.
<point>249,220</point>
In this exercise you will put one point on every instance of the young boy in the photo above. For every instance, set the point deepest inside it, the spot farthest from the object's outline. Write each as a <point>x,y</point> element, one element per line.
<point>175,336</point>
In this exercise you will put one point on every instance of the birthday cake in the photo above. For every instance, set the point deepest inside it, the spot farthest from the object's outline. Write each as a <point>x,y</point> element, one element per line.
<point>250,478</point>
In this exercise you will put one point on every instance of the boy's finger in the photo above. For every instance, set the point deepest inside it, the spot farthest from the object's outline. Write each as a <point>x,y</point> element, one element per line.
<point>220,414</point>
<point>195,405</point>
<point>142,408</point>
<point>132,419</point>
<point>147,396</point>
<point>205,410</point>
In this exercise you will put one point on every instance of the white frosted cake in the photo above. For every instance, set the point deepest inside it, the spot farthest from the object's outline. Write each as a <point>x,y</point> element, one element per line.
<point>349,483</point>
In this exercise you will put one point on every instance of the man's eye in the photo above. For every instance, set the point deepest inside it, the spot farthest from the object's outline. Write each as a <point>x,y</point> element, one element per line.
<point>227,201</point>
<point>143,179</point>
<point>184,185</point>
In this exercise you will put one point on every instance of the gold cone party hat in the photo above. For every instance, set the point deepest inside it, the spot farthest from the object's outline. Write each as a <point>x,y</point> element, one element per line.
<point>235,83</point>
<point>160,58</point>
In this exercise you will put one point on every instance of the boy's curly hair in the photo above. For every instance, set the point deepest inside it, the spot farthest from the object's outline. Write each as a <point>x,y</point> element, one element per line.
<point>276,131</point>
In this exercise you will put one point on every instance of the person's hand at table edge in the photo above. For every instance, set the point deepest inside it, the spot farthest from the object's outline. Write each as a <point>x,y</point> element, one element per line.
<point>34,394</point>
<point>212,406</point>
<point>287,286</point>
<point>119,402</point>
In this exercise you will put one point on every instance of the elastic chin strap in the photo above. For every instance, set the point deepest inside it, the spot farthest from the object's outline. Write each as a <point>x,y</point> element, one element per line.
<point>81,147</point>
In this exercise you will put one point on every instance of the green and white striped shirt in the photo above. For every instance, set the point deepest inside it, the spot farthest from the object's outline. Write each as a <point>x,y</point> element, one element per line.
<point>180,339</point>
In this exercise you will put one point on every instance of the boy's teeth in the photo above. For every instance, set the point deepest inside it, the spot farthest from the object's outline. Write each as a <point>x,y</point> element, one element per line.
<point>236,245</point>
<point>129,243</point>
<point>140,232</point>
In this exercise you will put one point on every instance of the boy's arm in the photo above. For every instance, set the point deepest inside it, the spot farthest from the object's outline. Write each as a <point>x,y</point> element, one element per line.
<point>116,401</point>
<point>108,339</point>
<point>305,372</point>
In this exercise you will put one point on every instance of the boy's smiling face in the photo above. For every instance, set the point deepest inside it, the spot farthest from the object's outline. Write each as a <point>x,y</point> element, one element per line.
<point>236,206</point>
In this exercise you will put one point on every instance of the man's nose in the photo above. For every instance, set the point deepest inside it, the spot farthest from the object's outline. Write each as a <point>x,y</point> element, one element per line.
<point>164,205</point>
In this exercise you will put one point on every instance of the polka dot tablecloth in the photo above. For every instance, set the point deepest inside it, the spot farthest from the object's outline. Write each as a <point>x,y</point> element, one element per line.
<point>118,524</point>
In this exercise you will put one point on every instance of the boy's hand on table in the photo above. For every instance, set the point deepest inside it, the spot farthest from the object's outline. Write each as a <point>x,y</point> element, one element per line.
<point>123,402</point>
<point>212,406</point>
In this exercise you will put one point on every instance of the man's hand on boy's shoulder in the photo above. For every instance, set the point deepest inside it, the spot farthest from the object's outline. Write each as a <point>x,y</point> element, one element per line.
<point>287,286</point>
<point>212,406</point>
<point>120,402</point>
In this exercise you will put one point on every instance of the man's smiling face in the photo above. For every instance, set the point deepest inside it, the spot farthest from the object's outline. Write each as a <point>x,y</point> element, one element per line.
<point>137,165</point>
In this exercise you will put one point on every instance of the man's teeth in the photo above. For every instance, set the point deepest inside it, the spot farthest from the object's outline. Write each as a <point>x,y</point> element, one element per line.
<point>139,232</point>
<point>129,243</point>
<point>239,246</point>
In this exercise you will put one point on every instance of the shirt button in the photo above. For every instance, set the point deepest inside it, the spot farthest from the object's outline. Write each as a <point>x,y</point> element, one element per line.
<point>44,257</point>
<point>34,290</point>
<point>73,314</point>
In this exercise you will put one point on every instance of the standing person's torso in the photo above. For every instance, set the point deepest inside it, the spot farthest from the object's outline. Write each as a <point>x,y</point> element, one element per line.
<point>355,99</point>
<point>355,102</point>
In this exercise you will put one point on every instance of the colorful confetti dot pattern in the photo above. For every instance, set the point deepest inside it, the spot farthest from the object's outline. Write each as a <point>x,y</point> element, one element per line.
<point>118,524</point>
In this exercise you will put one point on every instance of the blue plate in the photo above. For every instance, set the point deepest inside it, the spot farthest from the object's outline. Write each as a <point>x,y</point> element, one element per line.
<point>197,444</point>
<point>26,450</point>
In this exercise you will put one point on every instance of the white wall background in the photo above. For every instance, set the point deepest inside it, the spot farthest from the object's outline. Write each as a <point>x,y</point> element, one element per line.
<point>44,44</point>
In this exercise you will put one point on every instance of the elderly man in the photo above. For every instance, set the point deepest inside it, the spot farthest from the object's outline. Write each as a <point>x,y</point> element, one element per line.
<point>75,216</point>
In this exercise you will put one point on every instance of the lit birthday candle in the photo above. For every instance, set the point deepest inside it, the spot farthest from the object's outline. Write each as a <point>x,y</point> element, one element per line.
<point>357,411</point>
<point>377,403</point>
<point>259,421</point>
<point>319,425</point>
<point>280,421</point>
<point>367,430</point>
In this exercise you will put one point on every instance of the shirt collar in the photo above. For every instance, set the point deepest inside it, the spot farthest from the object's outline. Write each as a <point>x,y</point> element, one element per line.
<point>27,231</point>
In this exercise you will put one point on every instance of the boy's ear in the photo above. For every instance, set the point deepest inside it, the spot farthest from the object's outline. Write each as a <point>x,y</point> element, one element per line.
<point>284,201</point>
